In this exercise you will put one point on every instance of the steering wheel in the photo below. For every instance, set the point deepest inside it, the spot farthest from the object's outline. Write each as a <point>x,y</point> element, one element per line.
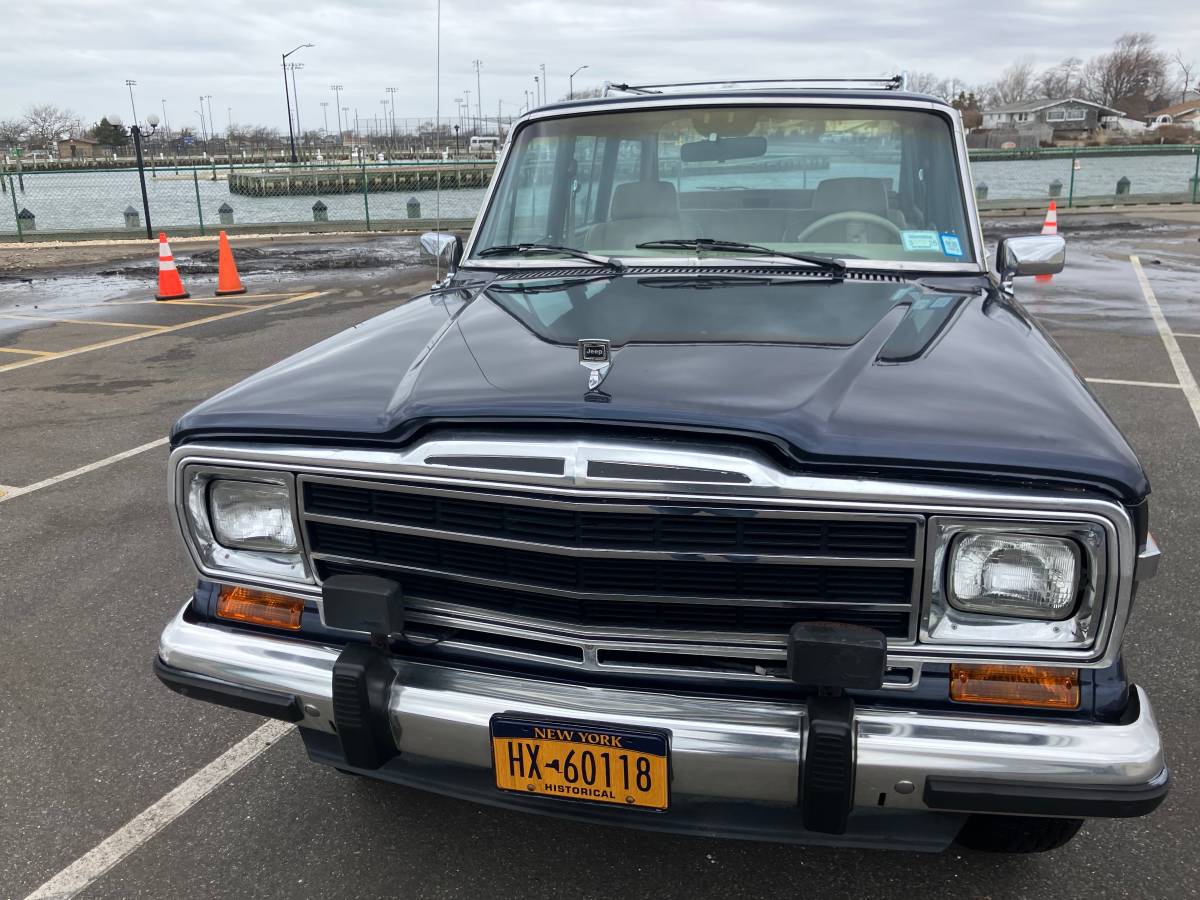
<point>851,215</point>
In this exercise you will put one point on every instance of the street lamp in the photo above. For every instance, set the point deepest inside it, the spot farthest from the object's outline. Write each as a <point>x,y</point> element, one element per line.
<point>537,89</point>
<point>152,121</point>
<point>478,64</point>
<point>166,122</point>
<point>392,91</point>
<point>296,99</point>
<point>571,82</point>
<point>287,97</point>
<point>545,84</point>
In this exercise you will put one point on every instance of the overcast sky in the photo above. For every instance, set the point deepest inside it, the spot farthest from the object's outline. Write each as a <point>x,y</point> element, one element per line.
<point>78,54</point>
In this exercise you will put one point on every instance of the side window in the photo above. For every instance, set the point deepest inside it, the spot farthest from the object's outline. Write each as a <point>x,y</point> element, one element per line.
<point>522,211</point>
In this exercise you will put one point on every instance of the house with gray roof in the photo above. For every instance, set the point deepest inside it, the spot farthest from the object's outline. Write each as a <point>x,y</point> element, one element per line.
<point>1057,117</point>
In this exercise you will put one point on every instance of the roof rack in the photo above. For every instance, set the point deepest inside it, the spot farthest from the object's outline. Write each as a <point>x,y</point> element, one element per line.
<point>879,83</point>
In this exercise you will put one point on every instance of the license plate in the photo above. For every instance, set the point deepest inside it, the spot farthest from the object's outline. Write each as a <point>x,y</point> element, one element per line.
<point>580,761</point>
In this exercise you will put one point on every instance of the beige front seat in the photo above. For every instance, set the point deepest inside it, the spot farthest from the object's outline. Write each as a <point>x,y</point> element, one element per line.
<point>640,211</point>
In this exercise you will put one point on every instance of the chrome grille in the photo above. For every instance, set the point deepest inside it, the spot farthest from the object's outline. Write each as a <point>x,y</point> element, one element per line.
<point>681,586</point>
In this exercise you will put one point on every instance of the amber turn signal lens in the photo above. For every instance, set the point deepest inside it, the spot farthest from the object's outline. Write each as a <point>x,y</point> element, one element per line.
<point>260,608</point>
<point>1015,685</point>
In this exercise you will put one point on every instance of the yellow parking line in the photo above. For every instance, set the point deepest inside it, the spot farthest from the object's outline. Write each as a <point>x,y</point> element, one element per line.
<point>101,345</point>
<point>30,352</point>
<point>78,321</point>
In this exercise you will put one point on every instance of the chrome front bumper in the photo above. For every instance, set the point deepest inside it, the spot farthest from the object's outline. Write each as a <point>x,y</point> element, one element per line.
<point>723,750</point>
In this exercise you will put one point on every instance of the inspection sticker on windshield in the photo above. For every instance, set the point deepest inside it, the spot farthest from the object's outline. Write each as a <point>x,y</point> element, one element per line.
<point>921,240</point>
<point>951,245</point>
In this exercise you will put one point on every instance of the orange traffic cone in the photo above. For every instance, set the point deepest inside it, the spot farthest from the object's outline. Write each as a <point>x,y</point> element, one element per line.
<point>227,274</point>
<point>170,285</point>
<point>1050,226</point>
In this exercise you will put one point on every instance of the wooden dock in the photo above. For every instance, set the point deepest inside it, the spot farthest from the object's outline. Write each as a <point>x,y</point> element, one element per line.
<point>349,179</point>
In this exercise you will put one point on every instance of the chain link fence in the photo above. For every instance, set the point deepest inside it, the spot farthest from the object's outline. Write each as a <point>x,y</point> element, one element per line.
<point>96,203</point>
<point>416,195</point>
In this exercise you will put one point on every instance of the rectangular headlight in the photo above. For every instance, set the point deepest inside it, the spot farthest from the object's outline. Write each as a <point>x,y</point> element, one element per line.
<point>251,515</point>
<point>1023,575</point>
<point>241,522</point>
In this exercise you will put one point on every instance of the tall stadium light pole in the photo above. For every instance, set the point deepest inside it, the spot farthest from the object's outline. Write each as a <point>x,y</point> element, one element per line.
<point>287,97</point>
<point>325,114</point>
<point>384,104</point>
<point>392,91</point>
<point>203,123</point>
<point>545,86</point>
<point>537,89</point>
<point>296,99</point>
<point>478,64</point>
<point>346,110</point>
<point>337,98</point>
<point>166,121</point>
<point>212,126</point>
<point>571,82</point>
<point>467,102</point>
<point>131,84</point>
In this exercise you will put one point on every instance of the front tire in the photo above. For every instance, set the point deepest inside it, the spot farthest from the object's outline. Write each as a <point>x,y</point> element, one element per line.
<point>1016,834</point>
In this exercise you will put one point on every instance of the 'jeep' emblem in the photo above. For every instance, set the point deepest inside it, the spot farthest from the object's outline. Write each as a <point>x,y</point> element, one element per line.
<point>594,356</point>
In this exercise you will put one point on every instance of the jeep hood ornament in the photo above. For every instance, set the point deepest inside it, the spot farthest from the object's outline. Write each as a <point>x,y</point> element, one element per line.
<point>595,357</point>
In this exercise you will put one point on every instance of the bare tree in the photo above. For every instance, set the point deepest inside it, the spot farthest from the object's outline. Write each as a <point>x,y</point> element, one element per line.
<point>1016,83</point>
<point>1061,81</point>
<point>1185,74</point>
<point>1132,77</point>
<point>46,123</point>
<point>12,133</point>
<point>929,83</point>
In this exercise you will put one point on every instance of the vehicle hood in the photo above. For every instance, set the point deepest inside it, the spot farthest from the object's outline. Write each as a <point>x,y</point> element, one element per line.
<point>883,375</point>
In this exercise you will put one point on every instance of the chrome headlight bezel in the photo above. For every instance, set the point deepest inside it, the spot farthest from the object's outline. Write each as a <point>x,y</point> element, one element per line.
<point>944,622</point>
<point>212,558</point>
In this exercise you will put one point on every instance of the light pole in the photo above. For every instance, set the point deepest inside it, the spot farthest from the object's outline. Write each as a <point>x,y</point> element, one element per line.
<point>537,89</point>
<point>166,121</point>
<point>478,64</point>
<point>131,84</point>
<point>571,82</point>
<point>152,121</point>
<point>467,94</point>
<point>346,110</point>
<point>392,91</point>
<point>212,126</point>
<point>203,124</point>
<point>337,99</point>
<point>384,104</point>
<point>325,114</point>
<point>287,97</point>
<point>545,85</point>
<point>296,99</point>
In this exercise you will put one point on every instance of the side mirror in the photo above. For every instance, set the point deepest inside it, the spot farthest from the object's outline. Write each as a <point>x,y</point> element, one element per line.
<point>1034,254</point>
<point>443,246</point>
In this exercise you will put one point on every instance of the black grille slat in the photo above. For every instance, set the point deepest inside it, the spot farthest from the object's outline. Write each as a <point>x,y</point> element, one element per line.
<point>632,613</point>
<point>664,531</point>
<point>875,584</point>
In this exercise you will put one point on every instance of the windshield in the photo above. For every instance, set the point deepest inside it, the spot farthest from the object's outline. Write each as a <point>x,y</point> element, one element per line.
<point>876,184</point>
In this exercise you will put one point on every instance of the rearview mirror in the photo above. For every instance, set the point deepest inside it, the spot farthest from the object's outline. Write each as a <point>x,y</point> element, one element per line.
<point>444,247</point>
<point>1034,254</point>
<point>723,148</point>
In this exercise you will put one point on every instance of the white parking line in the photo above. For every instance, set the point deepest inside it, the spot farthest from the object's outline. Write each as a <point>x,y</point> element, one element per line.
<point>1186,380</point>
<point>12,493</point>
<point>150,821</point>
<point>1153,384</point>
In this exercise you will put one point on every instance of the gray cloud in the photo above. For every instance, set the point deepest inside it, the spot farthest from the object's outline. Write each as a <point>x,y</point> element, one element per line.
<point>78,54</point>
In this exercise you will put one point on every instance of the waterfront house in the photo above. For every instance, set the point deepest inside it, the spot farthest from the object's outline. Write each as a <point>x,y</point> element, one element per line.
<point>1065,119</point>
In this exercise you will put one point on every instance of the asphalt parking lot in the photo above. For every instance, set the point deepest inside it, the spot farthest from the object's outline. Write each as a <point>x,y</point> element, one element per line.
<point>91,569</point>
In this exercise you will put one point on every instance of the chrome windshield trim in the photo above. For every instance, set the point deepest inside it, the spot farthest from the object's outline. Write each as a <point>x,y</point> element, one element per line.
<point>751,99</point>
<point>766,486</point>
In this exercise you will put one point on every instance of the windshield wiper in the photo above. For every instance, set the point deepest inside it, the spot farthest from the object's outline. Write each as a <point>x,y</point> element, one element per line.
<point>825,263</point>
<point>508,249</point>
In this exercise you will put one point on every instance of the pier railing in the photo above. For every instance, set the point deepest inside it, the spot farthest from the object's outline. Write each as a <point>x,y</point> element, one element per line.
<point>418,194</point>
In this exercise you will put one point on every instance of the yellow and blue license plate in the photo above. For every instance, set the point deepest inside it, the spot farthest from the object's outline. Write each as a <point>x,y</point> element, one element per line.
<point>588,762</point>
